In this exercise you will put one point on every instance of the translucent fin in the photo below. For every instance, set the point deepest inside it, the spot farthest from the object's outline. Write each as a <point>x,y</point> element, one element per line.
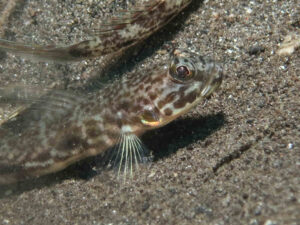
<point>38,52</point>
<point>38,98</point>
<point>125,17</point>
<point>126,156</point>
<point>19,93</point>
<point>12,114</point>
<point>120,32</point>
<point>48,107</point>
<point>21,96</point>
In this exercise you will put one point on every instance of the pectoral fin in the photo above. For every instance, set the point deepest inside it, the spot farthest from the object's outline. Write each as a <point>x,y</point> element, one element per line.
<point>127,154</point>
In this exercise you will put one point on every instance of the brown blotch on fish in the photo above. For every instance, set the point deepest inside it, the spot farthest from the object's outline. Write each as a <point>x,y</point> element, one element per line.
<point>72,142</point>
<point>161,104</point>
<point>158,79</point>
<point>189,98</point>
<point>170,97</point>
<point>145,101</point>
<point>152,96</point>
<point>93,132</point>
<point>168,112</point>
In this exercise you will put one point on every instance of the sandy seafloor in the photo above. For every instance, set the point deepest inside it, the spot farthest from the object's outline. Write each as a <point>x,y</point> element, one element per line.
<point>235,159</point>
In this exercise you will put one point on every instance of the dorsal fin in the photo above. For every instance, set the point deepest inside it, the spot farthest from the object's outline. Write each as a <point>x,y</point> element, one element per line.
<point>120,32</point>
<point>127,17</point>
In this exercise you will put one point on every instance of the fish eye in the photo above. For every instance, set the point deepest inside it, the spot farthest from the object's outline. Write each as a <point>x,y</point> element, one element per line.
<point>182,72</point>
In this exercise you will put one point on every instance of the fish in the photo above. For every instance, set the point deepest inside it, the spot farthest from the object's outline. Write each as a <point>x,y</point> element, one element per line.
<point>122,31</point>
<point>63,127</point>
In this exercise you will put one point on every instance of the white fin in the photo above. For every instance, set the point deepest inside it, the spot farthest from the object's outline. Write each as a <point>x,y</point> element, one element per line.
<point>126,155</point>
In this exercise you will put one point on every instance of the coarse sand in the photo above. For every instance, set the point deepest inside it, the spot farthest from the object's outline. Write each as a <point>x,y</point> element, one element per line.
<point>235,159</point>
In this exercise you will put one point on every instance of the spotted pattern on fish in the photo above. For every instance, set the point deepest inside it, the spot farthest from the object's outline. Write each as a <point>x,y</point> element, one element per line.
<point>117,34</point>
<point>41,141</point>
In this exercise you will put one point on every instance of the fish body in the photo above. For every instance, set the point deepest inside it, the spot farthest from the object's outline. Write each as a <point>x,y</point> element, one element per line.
<point>63,127</point>
<point>117,34</point>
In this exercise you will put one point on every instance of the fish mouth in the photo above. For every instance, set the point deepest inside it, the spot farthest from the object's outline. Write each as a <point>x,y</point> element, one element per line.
<point>213,82</point>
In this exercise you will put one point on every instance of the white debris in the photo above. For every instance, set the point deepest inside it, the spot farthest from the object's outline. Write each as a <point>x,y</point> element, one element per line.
<point>290,43</point>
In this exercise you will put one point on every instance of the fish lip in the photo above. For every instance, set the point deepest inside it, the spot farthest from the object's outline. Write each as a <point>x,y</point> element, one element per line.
<point>214,81</point>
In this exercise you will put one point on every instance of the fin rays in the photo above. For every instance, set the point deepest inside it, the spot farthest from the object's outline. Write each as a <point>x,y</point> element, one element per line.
<point>37,52</point>
<point>137,24</point>
<point>126,155</point>
<point>26,94</point>
<point>37,103</point>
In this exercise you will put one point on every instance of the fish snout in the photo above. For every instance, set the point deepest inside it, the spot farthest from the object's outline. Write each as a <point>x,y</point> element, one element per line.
<point>213,82</point>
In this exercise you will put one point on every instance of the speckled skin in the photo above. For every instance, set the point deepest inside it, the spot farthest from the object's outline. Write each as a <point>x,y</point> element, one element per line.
<point>115,35</point>
<point>66,127</point>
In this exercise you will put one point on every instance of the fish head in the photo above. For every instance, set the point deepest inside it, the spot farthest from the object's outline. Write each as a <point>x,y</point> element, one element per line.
<point>189,78</point>
<point>200,75</point>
